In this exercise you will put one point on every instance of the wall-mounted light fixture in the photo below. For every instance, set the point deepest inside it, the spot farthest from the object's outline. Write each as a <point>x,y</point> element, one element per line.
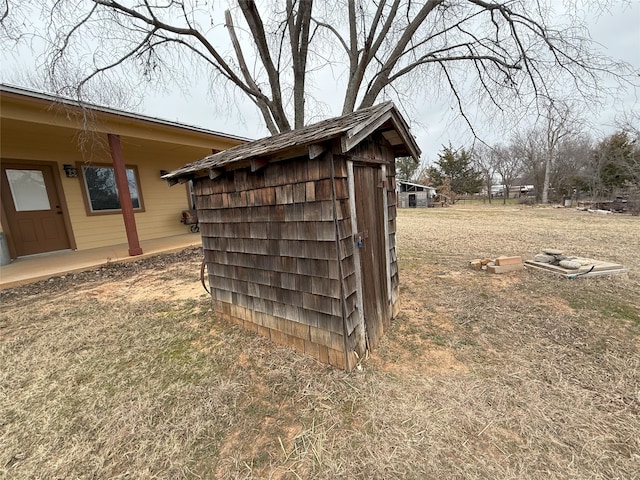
<point>163,173</point>
<point>70,171</point>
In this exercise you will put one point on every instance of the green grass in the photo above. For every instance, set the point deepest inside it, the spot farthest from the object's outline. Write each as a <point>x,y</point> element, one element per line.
<point>606,307</point>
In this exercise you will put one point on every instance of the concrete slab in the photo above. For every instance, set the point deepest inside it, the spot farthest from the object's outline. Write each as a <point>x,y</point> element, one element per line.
<point>33,268</point>
<point>589,268</point>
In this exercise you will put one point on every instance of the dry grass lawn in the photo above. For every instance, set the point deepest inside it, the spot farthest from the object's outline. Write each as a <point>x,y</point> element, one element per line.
<point>124,372</point>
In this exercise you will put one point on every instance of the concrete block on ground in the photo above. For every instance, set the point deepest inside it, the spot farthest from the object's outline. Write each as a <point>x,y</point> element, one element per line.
<point>504,268</point>
<point>502,261</point>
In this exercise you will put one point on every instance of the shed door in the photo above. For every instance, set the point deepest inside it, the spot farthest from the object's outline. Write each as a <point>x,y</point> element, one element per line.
<point>33,209</point>
<point>373,264</point>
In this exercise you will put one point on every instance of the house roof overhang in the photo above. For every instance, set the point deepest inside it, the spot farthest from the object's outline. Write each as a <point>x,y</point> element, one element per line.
<point>30,114</point>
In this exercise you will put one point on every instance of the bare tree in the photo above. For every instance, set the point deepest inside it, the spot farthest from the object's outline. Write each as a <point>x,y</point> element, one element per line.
<point>555,157</point>
<point>508,167</point>
<point>538,147</point>
<point>570,173</point>
<point>14,25</point>
<point>485,161</point>
<point>559,124</point>
<point>422,174</point>
<point>528,146</point>
<point>273,51</point>
<point>102,91</point>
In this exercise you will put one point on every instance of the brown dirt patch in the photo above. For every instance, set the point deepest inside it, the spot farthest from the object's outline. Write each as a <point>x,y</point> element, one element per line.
<point>161,285</point>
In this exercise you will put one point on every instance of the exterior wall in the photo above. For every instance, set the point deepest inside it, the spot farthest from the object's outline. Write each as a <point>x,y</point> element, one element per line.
<point>422,199</point>
<point>353,325</point>
<point>392,226</point>
<point>162,204</point>
<point>270,245</point>
<point>281,256</point>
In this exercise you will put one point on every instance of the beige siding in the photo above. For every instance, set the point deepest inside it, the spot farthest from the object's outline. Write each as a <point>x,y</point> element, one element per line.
<point>162,204</point>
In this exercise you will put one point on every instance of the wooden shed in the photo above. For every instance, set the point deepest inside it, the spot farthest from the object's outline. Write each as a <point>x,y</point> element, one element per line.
<point>299,232</point>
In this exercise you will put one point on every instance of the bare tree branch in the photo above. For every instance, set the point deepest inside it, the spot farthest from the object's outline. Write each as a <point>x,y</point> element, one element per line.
<point>254,21</point>
<point>260,100</point>
<point>512,51</point>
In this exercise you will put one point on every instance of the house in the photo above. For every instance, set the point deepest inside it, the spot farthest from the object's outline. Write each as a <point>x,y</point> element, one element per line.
<point>298,232</point>
<point>66,169</point>
<point>411,195</point>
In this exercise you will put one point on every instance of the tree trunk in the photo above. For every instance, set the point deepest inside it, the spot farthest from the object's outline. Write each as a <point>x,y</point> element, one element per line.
<point>547,178</point>
<point>299,23</point>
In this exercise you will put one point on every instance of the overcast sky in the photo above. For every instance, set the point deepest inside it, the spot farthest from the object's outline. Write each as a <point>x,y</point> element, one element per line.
<point>618,32</point>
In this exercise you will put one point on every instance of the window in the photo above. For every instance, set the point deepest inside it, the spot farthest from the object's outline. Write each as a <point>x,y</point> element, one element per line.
<point>28,190</point>
<point>101,192</point>
<point>192,194</point>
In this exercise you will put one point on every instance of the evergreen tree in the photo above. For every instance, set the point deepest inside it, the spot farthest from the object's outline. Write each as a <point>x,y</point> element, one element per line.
<point>617,153</point>
<point>406,168</point>
<point>457,166</point>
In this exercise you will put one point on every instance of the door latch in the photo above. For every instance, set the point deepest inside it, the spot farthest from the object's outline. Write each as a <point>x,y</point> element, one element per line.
<point>360,236</point>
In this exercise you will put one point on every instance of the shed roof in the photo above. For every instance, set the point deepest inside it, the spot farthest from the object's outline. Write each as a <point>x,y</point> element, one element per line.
<point>404,182</point>
<point>351,128</point>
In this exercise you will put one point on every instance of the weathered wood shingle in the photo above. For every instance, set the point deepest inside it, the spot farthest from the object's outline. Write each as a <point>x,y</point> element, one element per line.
<point>279,219</point>
<point>347,127</point>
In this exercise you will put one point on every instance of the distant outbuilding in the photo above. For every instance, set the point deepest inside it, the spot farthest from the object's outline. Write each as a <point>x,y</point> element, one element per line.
<point>412,195</point>
<point>299,232</point>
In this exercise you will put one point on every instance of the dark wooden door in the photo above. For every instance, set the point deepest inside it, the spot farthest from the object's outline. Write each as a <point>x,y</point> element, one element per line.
<point>33,208</point>
<point>373,259</point>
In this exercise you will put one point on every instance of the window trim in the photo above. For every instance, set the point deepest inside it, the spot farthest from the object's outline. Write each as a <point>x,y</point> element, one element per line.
<point>191,194</point>
<point>85,189</point>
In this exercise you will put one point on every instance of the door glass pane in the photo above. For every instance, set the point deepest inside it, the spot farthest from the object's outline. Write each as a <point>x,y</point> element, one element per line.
<point>28,190</point>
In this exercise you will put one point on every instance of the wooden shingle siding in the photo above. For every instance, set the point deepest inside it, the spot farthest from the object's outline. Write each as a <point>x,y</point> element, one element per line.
<point>269,239</point>
<point>299,231</point>
<point>392,214</point>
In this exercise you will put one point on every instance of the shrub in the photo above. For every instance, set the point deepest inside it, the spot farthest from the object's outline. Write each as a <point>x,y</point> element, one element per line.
<point>531,201</point>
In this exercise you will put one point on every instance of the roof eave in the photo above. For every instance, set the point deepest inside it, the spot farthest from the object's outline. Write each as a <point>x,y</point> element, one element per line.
<point>41,97</point>
<point>357,128</point>
<point>357,134</point>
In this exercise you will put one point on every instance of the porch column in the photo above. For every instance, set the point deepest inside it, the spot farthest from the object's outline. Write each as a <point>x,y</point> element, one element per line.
<point>124,195</point>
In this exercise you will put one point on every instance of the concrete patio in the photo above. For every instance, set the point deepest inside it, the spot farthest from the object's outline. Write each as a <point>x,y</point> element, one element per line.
<point>39,267</point>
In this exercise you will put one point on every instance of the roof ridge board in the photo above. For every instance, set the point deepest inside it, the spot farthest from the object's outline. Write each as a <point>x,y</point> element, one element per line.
<point>350,140</point>
<point>378,110</point>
